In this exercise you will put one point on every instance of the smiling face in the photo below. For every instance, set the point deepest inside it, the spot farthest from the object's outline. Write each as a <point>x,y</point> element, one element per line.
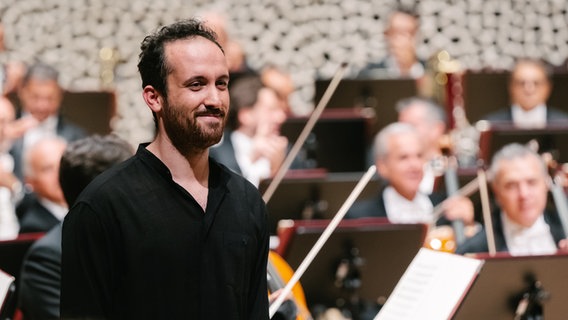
<point>403,164</point>
<point>194,114</point>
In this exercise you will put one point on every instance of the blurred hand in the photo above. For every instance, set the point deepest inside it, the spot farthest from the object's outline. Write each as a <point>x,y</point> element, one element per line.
<point>459,207</point>
<point>563,245</point>
<point>18,127</point>
<point>269,144</point>
<point>7,179</point>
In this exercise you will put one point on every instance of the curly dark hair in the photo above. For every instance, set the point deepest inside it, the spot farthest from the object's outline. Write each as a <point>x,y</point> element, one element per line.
<point>152,63</point>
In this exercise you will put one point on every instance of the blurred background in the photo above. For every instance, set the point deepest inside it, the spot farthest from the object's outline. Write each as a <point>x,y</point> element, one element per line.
<point>94,44</point>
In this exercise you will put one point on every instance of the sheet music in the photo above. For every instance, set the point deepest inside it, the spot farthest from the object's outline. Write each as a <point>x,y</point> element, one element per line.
<point>5,282</point>
<point>431,287</point>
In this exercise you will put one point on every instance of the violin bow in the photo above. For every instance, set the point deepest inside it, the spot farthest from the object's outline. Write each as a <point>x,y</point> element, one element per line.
<point>485,208</point>
<point>479,183</point>
<point>305,132</point>
<point>322,239</point>
<point>452,185</point>
<point>465,191</point>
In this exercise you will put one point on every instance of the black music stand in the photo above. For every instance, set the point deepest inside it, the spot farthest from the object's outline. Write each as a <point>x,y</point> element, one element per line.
<point>377,95</point>
<point>313,195</point>
<point>360,264</point>
<point>338,141</point>
<point>504,280</point>
<point>552,139</point>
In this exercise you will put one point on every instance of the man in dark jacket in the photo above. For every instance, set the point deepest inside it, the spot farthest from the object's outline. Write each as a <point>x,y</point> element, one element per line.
<point>521,224</point>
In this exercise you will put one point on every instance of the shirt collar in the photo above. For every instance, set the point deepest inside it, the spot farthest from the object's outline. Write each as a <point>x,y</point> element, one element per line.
<point>401,210</point>
<point>56,210</point>
<point>534,118</point>
<point>217,178</point>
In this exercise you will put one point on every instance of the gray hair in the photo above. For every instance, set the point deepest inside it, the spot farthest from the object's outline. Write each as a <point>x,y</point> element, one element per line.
<point>27,166</point>
<point>382,138</point>
<point>40,71</point>
<point>433,111</point>
<point>510,152</point>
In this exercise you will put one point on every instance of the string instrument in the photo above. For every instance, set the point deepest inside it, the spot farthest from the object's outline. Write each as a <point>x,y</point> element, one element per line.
<point>447,238</point>
<point>456,146</point>
<point>278,271</point>
<point>323,238</point>
<point>557,183</point>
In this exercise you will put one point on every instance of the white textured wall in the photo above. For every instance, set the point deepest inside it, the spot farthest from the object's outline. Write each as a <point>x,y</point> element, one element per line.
<point>310,38</point>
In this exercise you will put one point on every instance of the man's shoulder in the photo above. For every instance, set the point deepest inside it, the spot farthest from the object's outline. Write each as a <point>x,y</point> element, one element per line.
<point>69,130</point>
<point>503,114</point>
<point>49,243</point>
<point>556,115</point>
<point>370,207</point>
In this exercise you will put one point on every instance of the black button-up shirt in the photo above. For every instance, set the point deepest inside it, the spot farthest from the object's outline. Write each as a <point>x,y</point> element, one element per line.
<point>136,245</point>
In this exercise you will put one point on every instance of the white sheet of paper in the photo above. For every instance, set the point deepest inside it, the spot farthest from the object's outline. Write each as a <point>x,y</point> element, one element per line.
<point>431,287</point>
<point>5,282</point>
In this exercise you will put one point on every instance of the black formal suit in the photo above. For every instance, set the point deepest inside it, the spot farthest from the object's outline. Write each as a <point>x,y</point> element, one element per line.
<point>478,243</point>
<point>40,278</point>
<point>385,68</point>
<point>375,207</point>
<point>553,115</point>
<point>65,129</point>
<point>33,216</point>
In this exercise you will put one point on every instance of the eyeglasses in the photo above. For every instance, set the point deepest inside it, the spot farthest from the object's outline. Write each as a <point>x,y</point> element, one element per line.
<point>524,82</point>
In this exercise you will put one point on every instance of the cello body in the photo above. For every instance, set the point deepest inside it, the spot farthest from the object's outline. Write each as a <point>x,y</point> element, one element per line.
<point>279,273</point>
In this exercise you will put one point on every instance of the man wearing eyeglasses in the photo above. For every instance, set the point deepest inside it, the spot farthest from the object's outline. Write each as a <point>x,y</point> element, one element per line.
<point>530,86</point>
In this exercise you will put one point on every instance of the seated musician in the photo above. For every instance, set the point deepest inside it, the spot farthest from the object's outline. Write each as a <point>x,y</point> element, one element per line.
<point>521,223</point>
<point>429,119</point>
<point>253,145</point>
<point>530,86</point>
<point>399,157</point>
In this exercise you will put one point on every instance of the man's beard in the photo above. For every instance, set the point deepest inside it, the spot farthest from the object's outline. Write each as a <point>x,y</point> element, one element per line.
<point>185,132</point>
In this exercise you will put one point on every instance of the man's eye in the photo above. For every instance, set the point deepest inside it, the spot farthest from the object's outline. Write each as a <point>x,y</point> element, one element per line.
<point>195,85</point>
<point>222,83</point>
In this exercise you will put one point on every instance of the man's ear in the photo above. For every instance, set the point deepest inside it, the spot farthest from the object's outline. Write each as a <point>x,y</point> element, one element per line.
<point>153,99</point>
<point>381,168</point>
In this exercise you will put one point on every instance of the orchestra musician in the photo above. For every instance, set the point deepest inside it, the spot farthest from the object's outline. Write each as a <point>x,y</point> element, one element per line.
<point>40,277</point>
<point>401,35</point>
<point>399,158</point>
<point>252,144</point>
<point>521,224</point>
<point>530,86</point>
<point>429,119</point>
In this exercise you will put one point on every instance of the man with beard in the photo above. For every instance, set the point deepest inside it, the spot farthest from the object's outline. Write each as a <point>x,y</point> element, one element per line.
<point>170,233</point>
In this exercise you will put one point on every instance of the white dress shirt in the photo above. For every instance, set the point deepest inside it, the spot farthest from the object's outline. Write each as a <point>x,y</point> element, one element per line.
<point>9,226</point>
<point>46,128</point>
<point>56,210</point>
<point>535,240</point>
<point>401,210</point>
<point>534,118</point>
<point>252,171</point>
